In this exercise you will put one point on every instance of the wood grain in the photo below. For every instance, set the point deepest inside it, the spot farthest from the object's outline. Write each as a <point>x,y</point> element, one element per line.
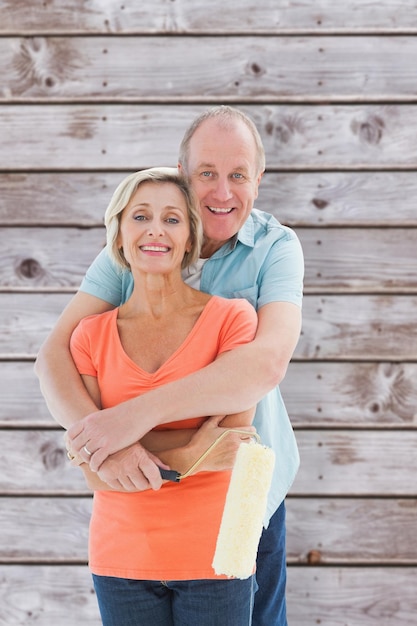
<point>313,69</point>
<point>181,17</point>
<point>47,596</point>
<point>336,260</point>
<point>335,327</point>
<point>359,596</point>
<point>326,531</point>
<point>317,395</point>
<point>364,463</point>
<point>331,596</point>
<point>351,531</point>
<point>92,91</point>
<point>47,530</point>
<point>99,137</point>
<point>351,394</point>
<point>354,463</point>
<point>298,199</point>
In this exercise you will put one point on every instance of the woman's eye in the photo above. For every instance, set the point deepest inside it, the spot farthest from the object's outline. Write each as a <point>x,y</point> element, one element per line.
<point>140,218</point>
<point>172,220</point>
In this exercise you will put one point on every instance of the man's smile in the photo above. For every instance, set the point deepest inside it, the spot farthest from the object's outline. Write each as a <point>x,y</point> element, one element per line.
<point>220,211</point>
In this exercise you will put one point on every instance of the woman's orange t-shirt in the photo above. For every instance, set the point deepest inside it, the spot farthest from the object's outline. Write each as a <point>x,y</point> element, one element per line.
<point>168,534</point>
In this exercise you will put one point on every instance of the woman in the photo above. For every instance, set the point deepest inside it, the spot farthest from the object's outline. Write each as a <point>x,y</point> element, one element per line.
<point>151,552</point>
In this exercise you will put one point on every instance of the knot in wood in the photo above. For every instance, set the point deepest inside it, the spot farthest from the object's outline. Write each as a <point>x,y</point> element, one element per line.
<point>369,131</point>
<point>52,457</point>
<point>319,203</point>
<point>256,69</point>
<point>314,557</point>
<point>30,268</point>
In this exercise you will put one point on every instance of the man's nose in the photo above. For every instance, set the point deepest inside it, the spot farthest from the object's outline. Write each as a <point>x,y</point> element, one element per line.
<point>223,190</point>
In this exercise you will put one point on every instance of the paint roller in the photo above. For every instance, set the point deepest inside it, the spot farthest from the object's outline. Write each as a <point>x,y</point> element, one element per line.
<point>245,505</point>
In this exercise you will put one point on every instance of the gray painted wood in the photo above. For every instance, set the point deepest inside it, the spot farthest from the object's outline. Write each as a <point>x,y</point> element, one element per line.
<point>296,137</point>
<point>87,96</point>
<point>310,199</point>
<point>185,16</point>
<point>333,68</point>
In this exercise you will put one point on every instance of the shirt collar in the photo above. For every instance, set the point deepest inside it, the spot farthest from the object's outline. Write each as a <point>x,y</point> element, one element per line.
<point>246,236</point>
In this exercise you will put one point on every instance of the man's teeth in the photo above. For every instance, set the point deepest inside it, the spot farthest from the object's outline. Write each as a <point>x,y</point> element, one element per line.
<point>155,248</point>
<point>214,209</point>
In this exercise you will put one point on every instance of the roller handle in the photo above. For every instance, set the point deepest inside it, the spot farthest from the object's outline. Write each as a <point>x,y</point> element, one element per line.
<point>171,475</point>
<point>175,477</point>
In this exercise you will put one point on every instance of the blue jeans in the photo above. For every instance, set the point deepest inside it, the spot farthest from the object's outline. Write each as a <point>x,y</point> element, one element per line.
<point>126,602</point>
<point>271,574</point>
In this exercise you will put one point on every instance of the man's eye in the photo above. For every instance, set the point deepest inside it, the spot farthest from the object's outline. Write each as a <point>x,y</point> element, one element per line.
<point>237,175</point>
<point>206,174</point>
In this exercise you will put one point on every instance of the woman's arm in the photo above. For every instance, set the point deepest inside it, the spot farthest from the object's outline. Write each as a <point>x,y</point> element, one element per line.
<point>181,448</point>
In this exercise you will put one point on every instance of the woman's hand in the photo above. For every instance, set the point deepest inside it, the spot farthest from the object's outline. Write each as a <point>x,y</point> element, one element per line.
<point>222,456</point>
<point>132,469</point>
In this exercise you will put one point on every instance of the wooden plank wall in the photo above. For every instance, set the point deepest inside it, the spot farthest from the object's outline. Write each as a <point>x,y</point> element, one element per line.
<point>92,90</point>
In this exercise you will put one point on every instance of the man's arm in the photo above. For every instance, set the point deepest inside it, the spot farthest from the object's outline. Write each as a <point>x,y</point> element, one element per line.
<point>60,382</point>
<point>65,393</point>
<point>237,380</point>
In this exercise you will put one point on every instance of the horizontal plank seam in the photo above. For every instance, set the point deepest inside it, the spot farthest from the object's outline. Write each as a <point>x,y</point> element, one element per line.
<point>190,33</point>
<point>304,169</point>
<point>269,170</point>
<point>42,561</point>
<point>303,99</point>
<point>301,226</point>
<point>12,358</point>
<point>351,496</point>
<point>353,563</point>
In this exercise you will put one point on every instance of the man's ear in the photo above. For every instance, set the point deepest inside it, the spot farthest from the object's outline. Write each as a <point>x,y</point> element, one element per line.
<point>258,182</point>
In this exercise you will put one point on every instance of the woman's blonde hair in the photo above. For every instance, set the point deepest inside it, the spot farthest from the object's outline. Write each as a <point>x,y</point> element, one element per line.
<point>124,193</point>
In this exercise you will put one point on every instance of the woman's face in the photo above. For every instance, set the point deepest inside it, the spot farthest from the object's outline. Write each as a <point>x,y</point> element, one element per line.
<point>154,228</point>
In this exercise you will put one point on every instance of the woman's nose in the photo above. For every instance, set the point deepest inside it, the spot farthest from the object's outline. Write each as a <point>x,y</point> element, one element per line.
<point>156,228</point>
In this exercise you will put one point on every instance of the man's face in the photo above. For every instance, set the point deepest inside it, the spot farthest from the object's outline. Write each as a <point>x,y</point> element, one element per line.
<point>222,169</point>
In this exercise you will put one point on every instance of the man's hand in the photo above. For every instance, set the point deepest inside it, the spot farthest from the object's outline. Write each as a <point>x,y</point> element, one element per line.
<point>101,434</point>
<point>131,469</point>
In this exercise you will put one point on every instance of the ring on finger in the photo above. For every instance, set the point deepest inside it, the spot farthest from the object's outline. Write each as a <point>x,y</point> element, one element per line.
<point>87,451</point>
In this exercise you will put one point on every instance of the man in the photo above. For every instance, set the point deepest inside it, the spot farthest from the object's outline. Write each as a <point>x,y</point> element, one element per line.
<point>246,253</point>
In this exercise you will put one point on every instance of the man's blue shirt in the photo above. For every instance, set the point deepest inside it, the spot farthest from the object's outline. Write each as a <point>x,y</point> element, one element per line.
<point>264,263</point>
